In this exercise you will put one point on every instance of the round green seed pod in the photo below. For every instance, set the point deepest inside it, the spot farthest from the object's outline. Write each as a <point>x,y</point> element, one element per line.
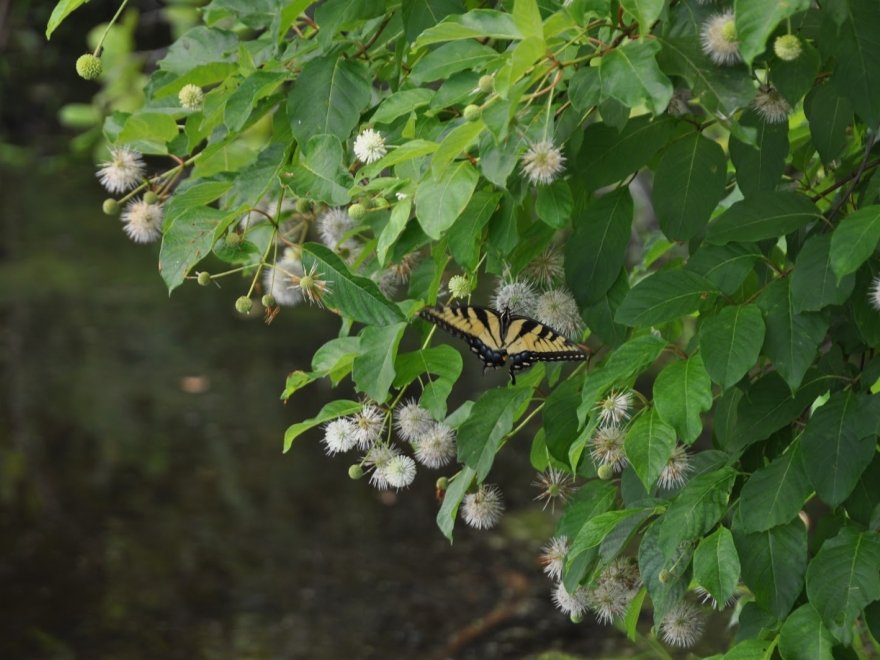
<point>357,211</point>
<point>88,66</point>
<point>787,47</point>
<point>472,112</point>
<point>268,301</point>
<point>605,472</point>
<point>150,197</point>
<point>355,471</point>
<point>441,484</point>
<point>203,278</point>
<point>577,617</point>
<point>243,305</point>
<point>110,206</point>
<point>233,238</point>
<point>486,84</point>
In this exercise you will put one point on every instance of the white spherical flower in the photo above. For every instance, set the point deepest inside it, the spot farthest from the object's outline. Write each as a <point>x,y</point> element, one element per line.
<point>400,471</point>
<point>369,146</point>
<point>546,268</point>
<point>339,436</point>
<point>386,280</point>
<point>191,97</point>
<point>378,458</point>
<point>614,408</point>
<point>787,47</point>
<point>555,485</point>
<point>368,425</point>
<point>518,296</point>
<point>718,36</point>
<point>682,626</point>
<point>543,162</point>
<point>676,470</point>
<point>436,447</point>
<point>282,280</point>
<point>874,293</point>
<point>770,105</point>
<point>606,448</point>
<point>411,421</point>
<point>558,309</point>
<point>142,222</point>
<point>573,604</point>
<point>615,589</point>
<point>483,508</point>
<point>333,224</point>
<point>459,286</point>
<point>553,556</point>
<point>123,171</point>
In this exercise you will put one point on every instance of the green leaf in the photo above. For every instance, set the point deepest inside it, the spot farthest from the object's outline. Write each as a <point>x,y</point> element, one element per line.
<point>630,75</point>
<point>730,342</point>
<point>241,102</point>
<point>401,103</point>
<point>804,636</point>
<point>451,58</point>
<point>696,509</point>
<point>596,529</point>
<point>760,165</point>
<point>440,201</point>
<point>649,443</point>
<point>775,493</point>
<point>392,231</point>
<point>373,369</point>
<point>527,18</point>
<point>843,578</point>
<point>197,47</point>
<point>865,498</point>
<point>688,184</point>
<point>829,114</point>
<point>443,361</point>
<point>475,24</point>
<point>469,226</point>
<point>317,171</point>
<point>490,420</point>
<point>757,19</point>
<point>456,141</point>
<point>596,250</point>
<point>773,565</point>
<point>199,194</point>
<point>593,499</point>
<point>585,88</point>
<point>418,15</point>
<point>716,565</point>
<point>599,316</point>
<point>725,266</point>
<point>653,561</point>
<point>188,240</point>
<point>791,339</point>
<point>332,410</point>
<point>328,97</point>
<point>644,11</point>
<point>554,204</point>
<point>813,284</point>
<point>795,78</point>
<point>763,215</point>
<point>854,240</point>
<point>681,392</point>
<point>62,10</point>
<point>458,487</point>
<point>835,452</point>
<point>662,297</point>
<point>148,132</point>
<point>856,51</point>
<point>560,419</point>
<point>750,649</point>
<point>357,298</point>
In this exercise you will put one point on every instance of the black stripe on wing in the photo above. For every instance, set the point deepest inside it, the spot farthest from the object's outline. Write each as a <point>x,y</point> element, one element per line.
<point>480,327</point>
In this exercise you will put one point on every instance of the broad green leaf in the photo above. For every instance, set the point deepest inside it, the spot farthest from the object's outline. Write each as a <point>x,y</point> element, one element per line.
<point>333,359</point>
<point>688,184</point>
<point>596,250</point>
<point>596,529</point>
<point>418,15</point>
<point>696,509</point>
<point>392,231</point>
<point>835,452</point>
<point>649,443</point>
<point>585,88</point>
<point>759,165</point>
<point>763,215</point>
<point>757,19</point>
<point>373,369</point>
<point>749,649</point>
<point>451,58</point>
<point>653,561</point>
<point>793,79</point>
<point>328,96</point>
<point>452,497</point>
<point>554,203</point>
<point>490,420</point>
<point>730,342</point>
<point>664,296</point>
<point>317,171</point>
<point>791,339</point>
<point>527,18</point>
<point>843,578</point>
<point>644,11</point>
<point>560,419</point>
<point>829,114</point>
<point>475,24</point>
<point>630,75</point>
<point>332,410</point>
<point>356,297</point>
<point>405,153</point>
<point>188,240</point>
<point>775,493</point>
<point>725,266</point>
<point>199,46</point>
<point>241,102</point>
<point>61,11</point>
<point>594,499</point>
<point>813,284</point>
<point>456,141</point>
<point>444,361</point>
<point>401,103</point>
<point>716,565</point>
<point>463,235</point>
<point>682,391</point>
<point>865,498</point>
<point>804,636</point>
<point>854,240</point>
<point>199,194</point>
<point>609,155</point>
<point>773,565</point>
<point>148,132</point>
<point>440,201</point>
<point>857,50</point>
<point>599,316</point>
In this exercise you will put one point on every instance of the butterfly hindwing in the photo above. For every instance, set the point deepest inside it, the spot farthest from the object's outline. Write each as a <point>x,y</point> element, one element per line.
<point>528,341</point>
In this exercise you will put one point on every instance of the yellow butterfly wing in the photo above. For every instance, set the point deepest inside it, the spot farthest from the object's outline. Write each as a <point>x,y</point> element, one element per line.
<point>482,328</point>
<point>528,341</point>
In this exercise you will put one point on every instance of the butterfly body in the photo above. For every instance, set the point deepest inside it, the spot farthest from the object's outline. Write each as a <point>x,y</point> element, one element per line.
<point>503,339</point>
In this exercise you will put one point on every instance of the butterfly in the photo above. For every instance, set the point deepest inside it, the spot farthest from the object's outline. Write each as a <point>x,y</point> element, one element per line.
<point>502,338</point>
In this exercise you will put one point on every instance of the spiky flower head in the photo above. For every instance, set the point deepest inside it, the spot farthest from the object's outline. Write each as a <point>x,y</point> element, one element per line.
<point>312,287</point>
<point>123,171</point>
<point>459,286</point>
<point>518,296</point>
<point>412,421</point>
<point>676,470</point>
<point>558,309</point>
<point>378,459</point>
<point>614,408</point>
<point>573,604</point>
<point>683,625</point>
<point>556,486</point>
<point>553,556</point>
<point>339,436</point>
<point>606,448</point>
<point>483,508</point>
<point>400,471</point>
<point>89,66</point>
<point>191,97</point>
<point>874,293</point>
<point>707,599</point>
<point>770,105</point>
<point>543,162</point>
<point>281,281</point>
<point>615,589</point>
<point>369,146</point>
<point>436,447</point>
<point>368,425</point>
<point>787,47</point>
<point>387,282</point>
<point>333,224</point>
<point>718,36</point>
<point>547,268</point>
<point>142,222</point>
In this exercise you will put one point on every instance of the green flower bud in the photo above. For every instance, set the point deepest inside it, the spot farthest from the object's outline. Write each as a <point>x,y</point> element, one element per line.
<point>244,305</point>
<point>459,286</point>
<point>110,206</point>
<point>472,112</point>
<point>486,84</point>
<point>88,66</point>
<point>577,617</point>
<point>441,484</point>
<point>787,47</point>
<point>357,211</point>
<point>355,471</point>
<point>233,238</point>
<point>268,300</point>
<point>191,97</point>
<point>605,472</point>
<point>150,197</point>
<point>203,278</point>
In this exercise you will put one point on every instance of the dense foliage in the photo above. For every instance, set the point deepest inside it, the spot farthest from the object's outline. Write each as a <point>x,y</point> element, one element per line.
<point>701,177</point>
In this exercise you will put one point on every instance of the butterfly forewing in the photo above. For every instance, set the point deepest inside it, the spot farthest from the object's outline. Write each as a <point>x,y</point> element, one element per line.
<point>482,328</point>
<point>529,341</point>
